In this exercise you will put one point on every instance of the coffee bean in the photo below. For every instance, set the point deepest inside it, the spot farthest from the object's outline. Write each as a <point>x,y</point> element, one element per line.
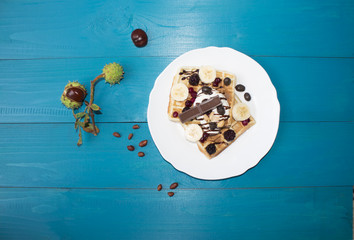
<point>174,185</point>
<point>139,38</point>
<point>143,143</point>
<point>136,126</point>
<point>247,96</point>
<point>116,134</point>
<point>240,88</point>
<point>141,154</point>
<point>159,187</point>
<point>130,136</point>
<point>130,148</point>
<point>171,194</point>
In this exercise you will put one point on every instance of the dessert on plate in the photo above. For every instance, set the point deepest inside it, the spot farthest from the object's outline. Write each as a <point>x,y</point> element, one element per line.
<point>203,100</point>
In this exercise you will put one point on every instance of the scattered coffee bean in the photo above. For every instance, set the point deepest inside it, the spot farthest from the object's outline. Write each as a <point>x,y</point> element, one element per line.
<point>143,143</point>
<point>141,154</point>
<point>130,136</point>
<point>139,38</point>
<point>131,148</point>
<point>116,134</point>
<point>240,88</point>
<point>170,194</point>
<point>174,185</point>
<point>247,96</point>
<point>159,187</point>
<point>136,126</point>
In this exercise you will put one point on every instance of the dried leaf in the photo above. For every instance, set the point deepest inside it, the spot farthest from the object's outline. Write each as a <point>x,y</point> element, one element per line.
<point>95,107</point>
<point>89,128</point>
<point>80,114</point>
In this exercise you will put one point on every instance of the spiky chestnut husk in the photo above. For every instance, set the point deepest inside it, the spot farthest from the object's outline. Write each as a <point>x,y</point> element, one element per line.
<point>113,73</point>
<point>73,96</point>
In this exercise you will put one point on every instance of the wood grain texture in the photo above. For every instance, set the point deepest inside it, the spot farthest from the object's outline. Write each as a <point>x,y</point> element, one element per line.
<point>35,155</point>
<point>309,213</point>
<point>96,28</point>
<point>309,89</point>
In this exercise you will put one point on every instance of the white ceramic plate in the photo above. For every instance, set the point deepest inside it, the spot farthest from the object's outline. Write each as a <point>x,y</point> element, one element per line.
<point>248,149</point>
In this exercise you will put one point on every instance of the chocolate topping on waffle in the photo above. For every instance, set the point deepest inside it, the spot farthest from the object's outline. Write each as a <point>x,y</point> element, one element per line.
<point>200,109</point>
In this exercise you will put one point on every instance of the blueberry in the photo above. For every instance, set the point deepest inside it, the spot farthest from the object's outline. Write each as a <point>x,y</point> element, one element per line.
<point>221,110</point>
<point>211,148</point>
<point>229,135</point>
<point>188,103</point>
<point>207,90</point>
<point>212,125</point>
<point>185,109</point>
<point>194,80</point>
<point>227,81</point>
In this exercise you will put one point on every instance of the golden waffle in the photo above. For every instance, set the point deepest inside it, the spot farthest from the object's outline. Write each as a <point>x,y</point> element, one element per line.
<point>229,92</point>
<point>219,140</point>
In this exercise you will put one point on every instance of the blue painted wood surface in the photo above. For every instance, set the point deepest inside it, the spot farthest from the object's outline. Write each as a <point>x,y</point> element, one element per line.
<point>46,156</point>
<point>307,91</point>
<point>296,213</point>
<point>96,28</point>
<point>50,189</point>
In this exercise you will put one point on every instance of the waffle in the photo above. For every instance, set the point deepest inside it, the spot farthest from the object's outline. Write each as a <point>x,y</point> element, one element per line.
<point>182,76</point>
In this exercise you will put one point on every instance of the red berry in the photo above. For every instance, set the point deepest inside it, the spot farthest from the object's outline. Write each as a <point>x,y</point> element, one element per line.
<point>245,122</point>
<point>192,100</point>
<point>194,94</point>
<point>190,90</point>
<point>175,114</point>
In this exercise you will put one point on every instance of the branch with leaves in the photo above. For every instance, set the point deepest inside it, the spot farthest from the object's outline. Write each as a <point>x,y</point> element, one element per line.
<point>75,93</point>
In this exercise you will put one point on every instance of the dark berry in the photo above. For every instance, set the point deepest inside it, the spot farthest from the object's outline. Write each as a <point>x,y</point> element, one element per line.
<point>205,135</point>
<point>185,109</point>
<point>211,148</point>
<point>190,90</point>
<point>240,88</point>
<point>194,80</point>
<point>245,122</point>
<point>216,82</point>
<point>192,100</point>
<point>229,135</point>
<point>221,110</point>
<point>207,90</point>
<point>175,114</point>
<point>227,81</point>
<point>188,103</point>
<point>212,125</point>
<point>193,94</point>
<point>247,96</point>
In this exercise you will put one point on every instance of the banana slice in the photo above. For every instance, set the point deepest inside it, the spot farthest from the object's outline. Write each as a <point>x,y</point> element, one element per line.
<point>179,92</point>
<point>193,132</point>
<point>207,74</point>
<point>240,112</point>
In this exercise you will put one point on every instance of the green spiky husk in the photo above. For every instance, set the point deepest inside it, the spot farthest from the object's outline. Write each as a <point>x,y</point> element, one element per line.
<point>69,103</point>
<point>113,73</point>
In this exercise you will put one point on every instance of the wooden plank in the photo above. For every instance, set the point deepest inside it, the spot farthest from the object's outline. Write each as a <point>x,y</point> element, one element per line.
<point>96,28</point>
<point>300,213</point>
<point>309,89</point>
<point>46,155</point>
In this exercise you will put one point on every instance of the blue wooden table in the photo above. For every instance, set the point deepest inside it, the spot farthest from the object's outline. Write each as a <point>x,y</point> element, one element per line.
<point>52,189</point>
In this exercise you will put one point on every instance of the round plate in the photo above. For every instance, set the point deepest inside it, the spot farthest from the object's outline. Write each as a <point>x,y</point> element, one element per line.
<point>248,149</point>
